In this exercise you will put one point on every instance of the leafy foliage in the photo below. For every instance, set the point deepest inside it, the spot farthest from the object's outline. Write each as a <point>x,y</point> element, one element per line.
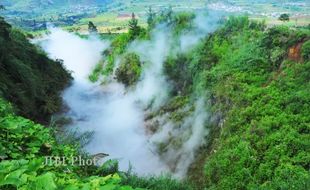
<point>155,182</point>
<point>134,29</point>
<point>305,51</point>
<point>92,29</point>
<point>150,17</point>
<point>28,79</point>
<point>263,142</point>
<point>284,17</point>
<point>24,147</point>
<point>258,96</point>
<point>129,69</point>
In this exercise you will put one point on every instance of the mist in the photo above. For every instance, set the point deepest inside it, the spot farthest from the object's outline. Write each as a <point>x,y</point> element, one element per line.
<point>116,114</point>
<point>113,116</point>
<point>153,86</point>
<point>182,140</point>
<point>203,24</point>
<point>79,55</point>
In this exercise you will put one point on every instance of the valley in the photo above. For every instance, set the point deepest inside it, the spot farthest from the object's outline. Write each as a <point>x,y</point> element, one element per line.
<point>165,95</point>
<point>112,16</point>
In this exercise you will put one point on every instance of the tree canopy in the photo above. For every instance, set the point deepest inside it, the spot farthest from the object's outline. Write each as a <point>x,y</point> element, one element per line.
<point>92,29</point>
<point>284,17</point>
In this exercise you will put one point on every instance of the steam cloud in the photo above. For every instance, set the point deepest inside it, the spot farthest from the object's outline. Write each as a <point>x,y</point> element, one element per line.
<point>116,114</point>
<point>153,85</point>
<point>203,24</point>
<point>113,116</point>
<point>187,138</point>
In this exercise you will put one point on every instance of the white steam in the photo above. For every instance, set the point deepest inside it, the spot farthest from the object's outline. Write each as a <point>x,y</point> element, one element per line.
<point>153,86</point>
<point>203,25</point>
<point>79,56</point>
<point>182,140</point>
<point>114,117</point>
<point>116,114</point>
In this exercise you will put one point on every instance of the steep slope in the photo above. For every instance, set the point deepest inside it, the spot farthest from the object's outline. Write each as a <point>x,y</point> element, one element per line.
<point>260,93</point>
<point>259,99</point>
<point>256,132</point>
<point>28,79</point>
<point>24,164</point>
<point>28,160</point>
<point>29,152</point>
<point>257,94</point>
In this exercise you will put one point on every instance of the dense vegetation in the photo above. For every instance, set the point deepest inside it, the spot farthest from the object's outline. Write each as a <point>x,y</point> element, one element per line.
<point>257,81</point>
<point>26,146</point>
<point>262,93</point>
<point>129,69</point>
<point>28,79</point>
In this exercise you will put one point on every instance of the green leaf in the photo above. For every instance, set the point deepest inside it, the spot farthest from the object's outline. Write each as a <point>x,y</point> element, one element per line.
<point>108,187</point>
<point>35,164</point>
<point>14,178</point>
<point>45,182</point>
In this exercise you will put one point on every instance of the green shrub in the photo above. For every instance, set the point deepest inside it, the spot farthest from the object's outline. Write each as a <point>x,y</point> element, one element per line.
<point>129,70</point>
<point>262,144</point>
<point>305,51</point>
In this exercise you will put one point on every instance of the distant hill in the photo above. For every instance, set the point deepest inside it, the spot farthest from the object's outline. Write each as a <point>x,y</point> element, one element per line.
<point>35,4</point>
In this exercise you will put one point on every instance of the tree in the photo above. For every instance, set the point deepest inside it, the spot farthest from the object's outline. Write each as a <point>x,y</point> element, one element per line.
<point>129,70</point>
<point>150,17</point>
<point>284,17</point>
<point>166,14</point>
<point>169,14</point>
<point>2,7</point>
<point>5,29</point>
<point>134,29</point>
<point>92,29</point>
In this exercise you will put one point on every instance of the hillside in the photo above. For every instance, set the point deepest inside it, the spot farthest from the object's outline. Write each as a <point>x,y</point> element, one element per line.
<point>37,4</point>
<point>112,16</point>
<point>222,101</point>
<point>29,80</point>
<point>255,81</point>
<point>31,85</point>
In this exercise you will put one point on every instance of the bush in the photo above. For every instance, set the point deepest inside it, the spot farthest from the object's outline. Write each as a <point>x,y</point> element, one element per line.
<point>305,51</point>
<point>129,69</point>
<point>262,144</point>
